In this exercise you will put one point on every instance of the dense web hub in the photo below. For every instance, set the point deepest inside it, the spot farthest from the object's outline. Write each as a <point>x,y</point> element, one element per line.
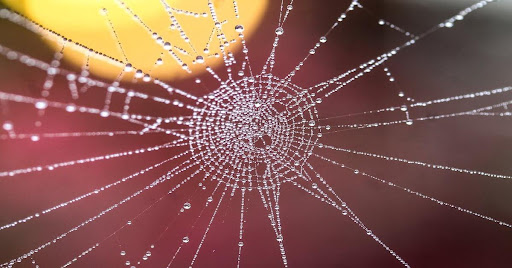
<point>261,127</point>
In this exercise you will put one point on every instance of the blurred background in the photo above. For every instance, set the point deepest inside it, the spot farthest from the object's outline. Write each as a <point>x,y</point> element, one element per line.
<point>472,56</point>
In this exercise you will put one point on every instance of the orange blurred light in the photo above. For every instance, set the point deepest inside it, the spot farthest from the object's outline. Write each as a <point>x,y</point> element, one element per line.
<point>96,23</point>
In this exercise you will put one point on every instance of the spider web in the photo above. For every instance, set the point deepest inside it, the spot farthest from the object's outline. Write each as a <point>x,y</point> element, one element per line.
<point>167,165</point>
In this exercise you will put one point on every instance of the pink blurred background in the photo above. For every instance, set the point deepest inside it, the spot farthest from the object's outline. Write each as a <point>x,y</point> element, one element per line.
<point>473,56</point>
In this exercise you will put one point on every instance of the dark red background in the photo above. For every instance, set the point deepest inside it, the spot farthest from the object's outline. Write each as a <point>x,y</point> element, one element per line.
<point>473,56</point>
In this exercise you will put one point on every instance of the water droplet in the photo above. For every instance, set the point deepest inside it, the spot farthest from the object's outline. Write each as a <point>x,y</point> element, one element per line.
<point>41,104</point>
<point>279,238</point>
<point>71,77</point>
<point>239,28</point>
<point>71,108</point>
<point>8,126</point>
<point>279,30</point>
<point>187,205</point>
<point>312,123</point>
<point>323,39</point>
<point>199,59</point>
<point>186,239</point>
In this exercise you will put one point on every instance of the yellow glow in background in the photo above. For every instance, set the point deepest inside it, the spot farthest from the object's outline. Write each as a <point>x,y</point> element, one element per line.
<point>85,22</point>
